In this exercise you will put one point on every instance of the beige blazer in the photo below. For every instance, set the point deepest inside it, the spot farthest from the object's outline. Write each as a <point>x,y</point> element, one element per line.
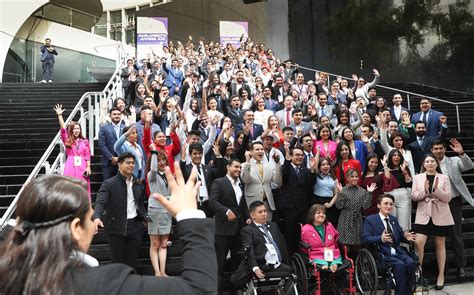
<point>256,186</point>
<point>435,206</point>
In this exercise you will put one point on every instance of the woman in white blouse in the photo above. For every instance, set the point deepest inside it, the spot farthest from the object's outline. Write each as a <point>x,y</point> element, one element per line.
<point>261,114</point>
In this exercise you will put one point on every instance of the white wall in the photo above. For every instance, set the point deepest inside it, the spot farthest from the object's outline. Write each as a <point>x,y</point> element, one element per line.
<point>13,14</point>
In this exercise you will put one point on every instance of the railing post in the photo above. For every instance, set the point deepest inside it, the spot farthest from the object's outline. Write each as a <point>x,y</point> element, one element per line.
<point>62,158</point>
<point>408,101</point>
<point>91,123</point>
<point>458,119</point>
<point>47,168</point>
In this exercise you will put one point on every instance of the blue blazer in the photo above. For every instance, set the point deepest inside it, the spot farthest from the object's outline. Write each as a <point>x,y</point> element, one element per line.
<point>107,139</point>
<point>120,147</point>
<point>361,152</point>
<point>257,130</point>
<point>433,126</point>
<point>373,229</point>
<point>45,54</point>
<point>174,78</point>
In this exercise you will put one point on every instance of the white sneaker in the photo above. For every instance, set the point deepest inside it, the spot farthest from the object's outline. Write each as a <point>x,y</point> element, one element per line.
<point>43,81</point>
<point>50,81</point>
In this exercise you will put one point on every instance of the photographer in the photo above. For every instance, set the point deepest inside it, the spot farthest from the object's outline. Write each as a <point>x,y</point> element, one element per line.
<point>47,60</point>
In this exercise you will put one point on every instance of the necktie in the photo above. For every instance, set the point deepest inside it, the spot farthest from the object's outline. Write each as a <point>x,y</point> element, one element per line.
<point>323,111</point>
<point>389,229</point>
<point>199,172</point>
<point>287,118</point>
<point>420,141</point>
<point>260,169</point>
<point>117,130</point>
<point>270,239</point>
<point>163,177</point>
<point>423,118</point>
<point>297,170</point>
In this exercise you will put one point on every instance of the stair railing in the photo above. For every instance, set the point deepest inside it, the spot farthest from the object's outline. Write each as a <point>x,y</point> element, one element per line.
<point>89,121</point>
<point>407,93</point>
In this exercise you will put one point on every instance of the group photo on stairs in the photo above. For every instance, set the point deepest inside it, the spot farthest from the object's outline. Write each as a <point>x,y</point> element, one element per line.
<point>207,166</point>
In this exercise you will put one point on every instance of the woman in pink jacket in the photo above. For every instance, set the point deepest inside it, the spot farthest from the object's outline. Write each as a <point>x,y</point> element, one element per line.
<point>322,238</point>
<point>433,217</point>
<point>78,152</point>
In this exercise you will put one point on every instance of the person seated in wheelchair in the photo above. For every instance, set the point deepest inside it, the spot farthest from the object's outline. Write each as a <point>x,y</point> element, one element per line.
<point>320,238</point>
<point>265,253</point>
<point>384,230</point>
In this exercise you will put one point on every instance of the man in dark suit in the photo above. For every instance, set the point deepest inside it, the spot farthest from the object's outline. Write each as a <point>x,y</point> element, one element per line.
<point>239,83</point>
<point>233,110</point>
<point>255,129</point>
<point>421,146</point>
<point>205,172</point>
<point>120,203</point>
<point>296,195</point>
<point>397,109</point>
<point>264,248</point>
<point>384,230</point>
<point>227,200</point>
<point>108,135</point>
<point>430,117</point>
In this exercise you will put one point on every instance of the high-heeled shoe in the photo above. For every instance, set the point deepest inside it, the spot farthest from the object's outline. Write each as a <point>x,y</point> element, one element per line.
<point>439,287</point>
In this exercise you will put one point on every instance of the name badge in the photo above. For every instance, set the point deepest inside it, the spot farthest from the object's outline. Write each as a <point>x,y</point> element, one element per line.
<point>202,191</point>
<point>328,255</point>
<point>77,161</point>
<point>271,249</point>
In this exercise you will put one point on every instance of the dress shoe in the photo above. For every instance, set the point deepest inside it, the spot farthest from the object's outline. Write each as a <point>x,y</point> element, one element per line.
<point>461,273</point>
<point>439,287</point>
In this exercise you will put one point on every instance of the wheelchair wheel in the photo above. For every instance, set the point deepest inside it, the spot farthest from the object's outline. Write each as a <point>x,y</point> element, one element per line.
<point>366,272</point>
<point>298,265</point>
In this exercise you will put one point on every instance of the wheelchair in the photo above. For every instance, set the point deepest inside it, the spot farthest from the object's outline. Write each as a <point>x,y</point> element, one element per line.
<point>311,277</point>
<point>372,274</point>
<point>273,283</point>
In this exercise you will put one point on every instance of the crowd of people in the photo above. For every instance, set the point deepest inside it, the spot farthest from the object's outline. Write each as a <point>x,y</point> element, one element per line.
<point>268,144</point>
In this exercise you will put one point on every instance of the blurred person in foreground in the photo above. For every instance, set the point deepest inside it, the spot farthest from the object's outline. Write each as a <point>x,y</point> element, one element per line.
<point>46,252</point>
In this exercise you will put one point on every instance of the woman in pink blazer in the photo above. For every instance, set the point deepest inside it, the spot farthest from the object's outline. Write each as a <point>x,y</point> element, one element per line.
<point>327,147</point>
<point>432,191</point>
<point>319,235</point>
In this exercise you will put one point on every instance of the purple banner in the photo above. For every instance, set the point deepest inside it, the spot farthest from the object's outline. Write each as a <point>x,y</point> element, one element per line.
<point>230,32</point>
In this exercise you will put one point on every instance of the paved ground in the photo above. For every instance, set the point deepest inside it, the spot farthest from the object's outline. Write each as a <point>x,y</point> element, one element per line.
<point>466,288</point>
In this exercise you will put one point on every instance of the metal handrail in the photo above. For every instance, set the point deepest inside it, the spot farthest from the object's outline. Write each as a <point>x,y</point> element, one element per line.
<point>408,93</point>
<point>94,100</point>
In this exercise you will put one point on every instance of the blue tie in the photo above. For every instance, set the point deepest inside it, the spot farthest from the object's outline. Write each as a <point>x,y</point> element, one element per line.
<point>266,232</point>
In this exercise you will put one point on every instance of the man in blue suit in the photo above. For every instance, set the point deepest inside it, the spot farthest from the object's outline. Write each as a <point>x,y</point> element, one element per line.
<point>430,117</point>
<point>384,230</point>
<point>47,60</point>
<point>108,135</point>
<point>174,77</point>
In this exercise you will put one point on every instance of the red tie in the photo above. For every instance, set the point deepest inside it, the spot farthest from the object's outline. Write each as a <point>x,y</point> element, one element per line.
<point>287,118</point>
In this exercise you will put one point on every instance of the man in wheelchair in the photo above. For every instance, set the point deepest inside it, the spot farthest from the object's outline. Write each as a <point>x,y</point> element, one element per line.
<point>264,249</point>
<point>384,230</point>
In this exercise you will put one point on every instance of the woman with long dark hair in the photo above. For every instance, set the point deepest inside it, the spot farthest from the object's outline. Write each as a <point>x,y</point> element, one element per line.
<point>344,161</point>
<point>45,253</point>
<point>78,150</point>
<point>398,168</point>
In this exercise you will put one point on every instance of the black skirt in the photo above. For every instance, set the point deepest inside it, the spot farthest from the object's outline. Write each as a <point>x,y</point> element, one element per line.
<point>431,229</point>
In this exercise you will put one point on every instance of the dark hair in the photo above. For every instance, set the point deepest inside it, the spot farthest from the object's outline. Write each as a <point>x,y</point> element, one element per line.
<point>420,122</point>
<point>320,163</point>
<point>194,132</point>
<point>254,144</point>
<point>382,196</point>
<point>287,128</point>
<point>40,249</point>
<point>312,211</point>
<point>296,111</point>
<point>438,141</point>
<point>296,148</point>
<point>344,130</point>
<point>254,205</point>
<point>338,151</point>
<point>369,157</point>
<point>342,112</point>
<point>395,135</point>
<point>390,156</point>
<point>430,155</point>
<point>114,109</point>
<point>144,108</point>
<point>155,134</point>
<point>232,160</point>
<point>124,156</point>
<point>196,147</point>
<point>318,132</point>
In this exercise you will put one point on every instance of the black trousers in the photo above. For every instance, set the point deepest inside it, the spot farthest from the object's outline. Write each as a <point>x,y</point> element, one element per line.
<point>292,217</point>
<point>455,231</point>
<point>223,245</point>
<point>125,249</point>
